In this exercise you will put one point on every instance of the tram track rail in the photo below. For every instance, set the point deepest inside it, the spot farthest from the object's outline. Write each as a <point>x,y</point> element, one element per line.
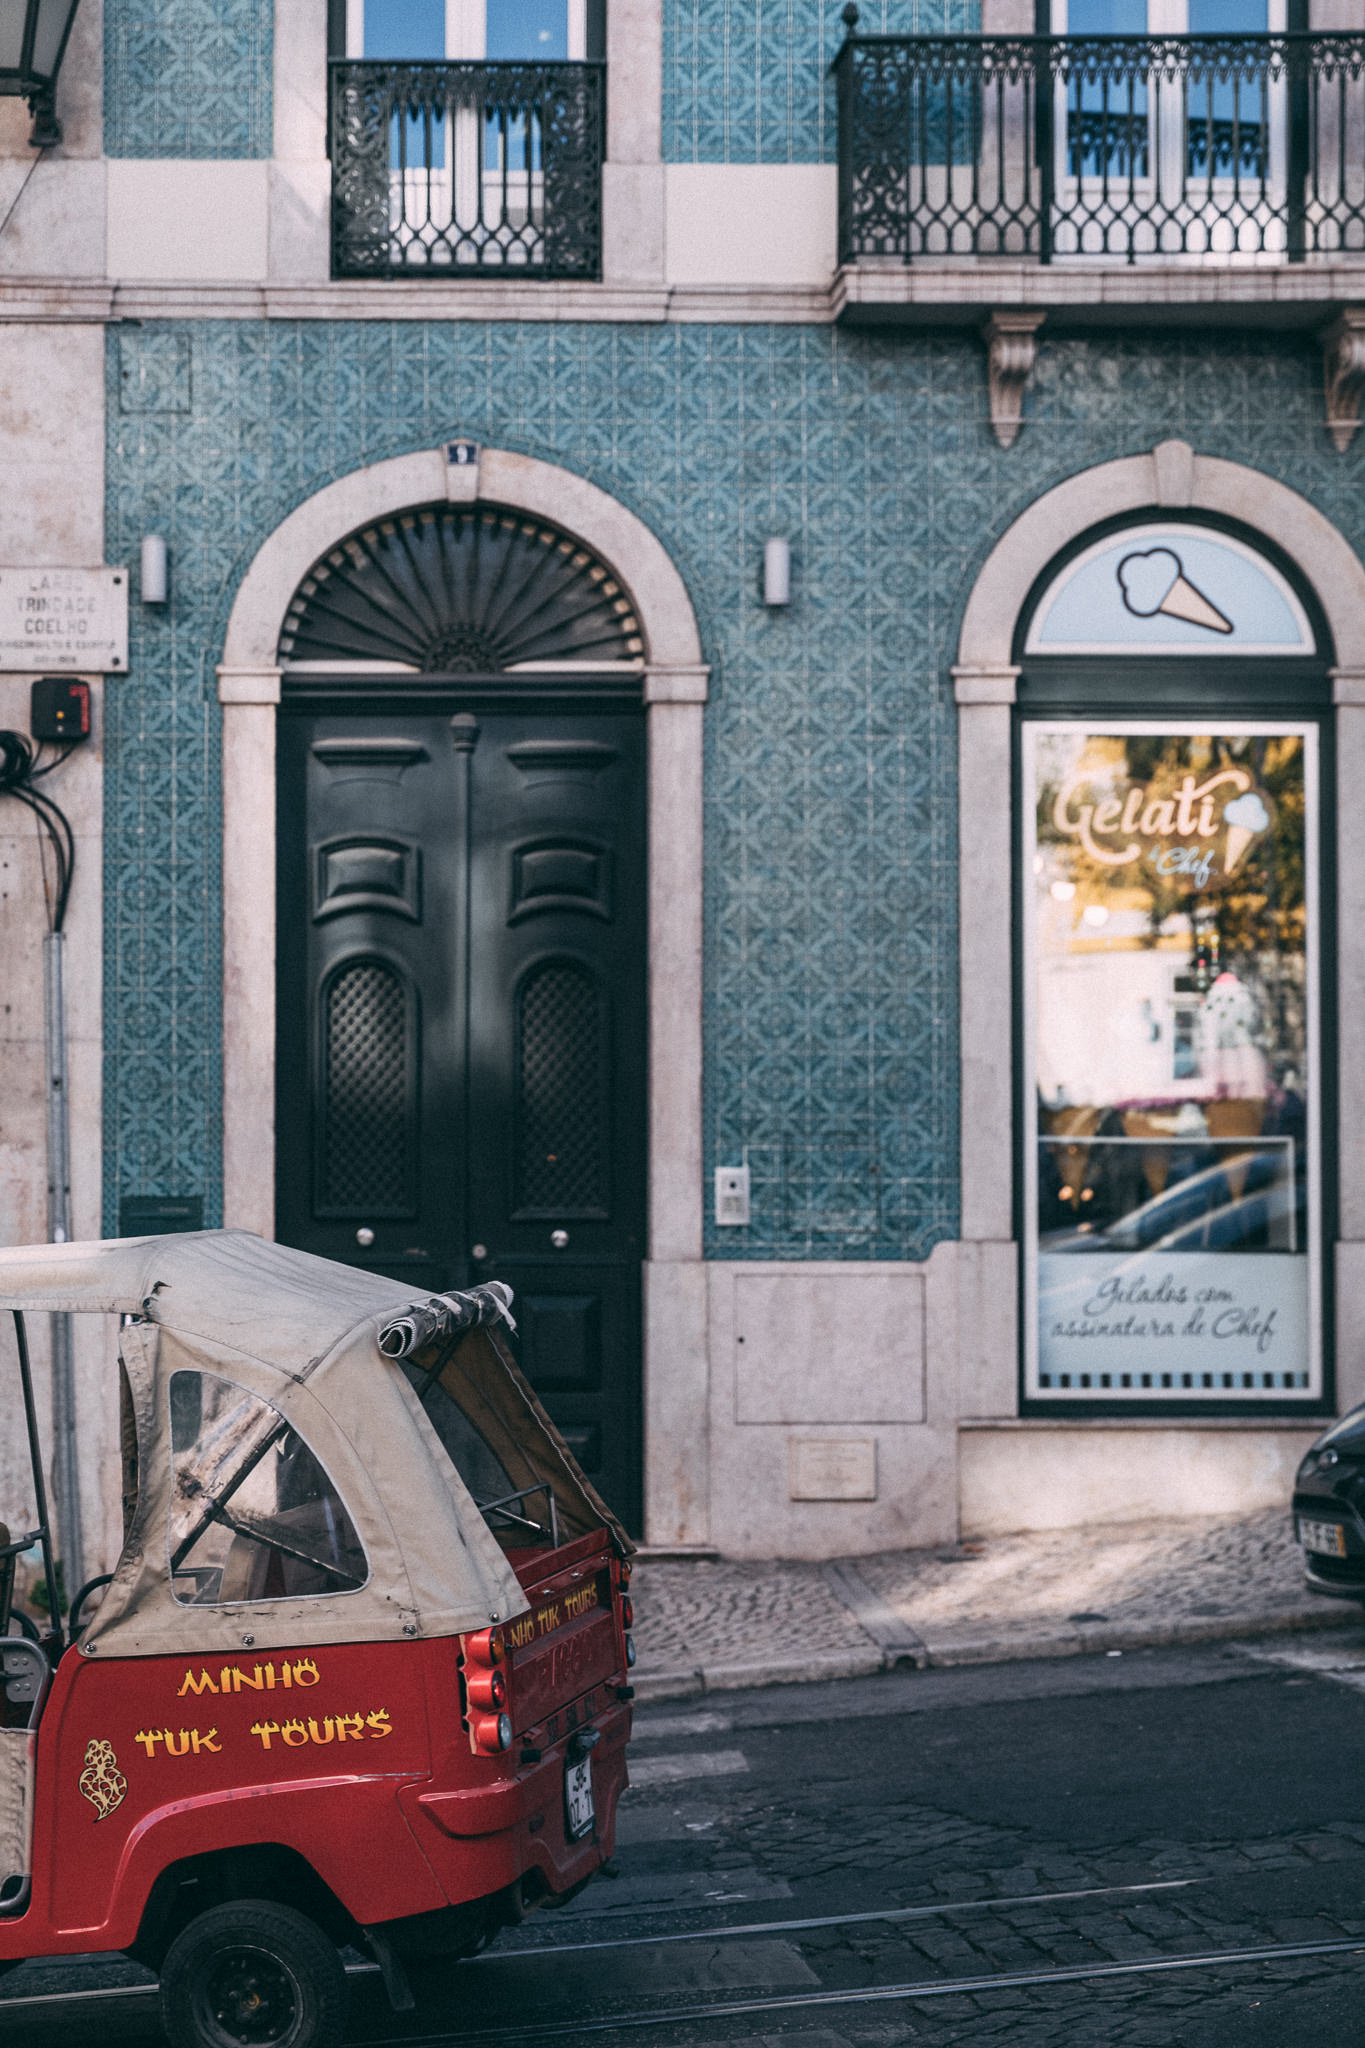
<point>904,1991</point>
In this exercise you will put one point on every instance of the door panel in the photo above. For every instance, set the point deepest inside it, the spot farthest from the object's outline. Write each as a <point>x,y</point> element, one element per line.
<point>461,1073</point>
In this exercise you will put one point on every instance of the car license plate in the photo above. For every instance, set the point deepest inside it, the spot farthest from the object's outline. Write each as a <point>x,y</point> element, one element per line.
<point>1327,1538</point>
<point>578,1807</point>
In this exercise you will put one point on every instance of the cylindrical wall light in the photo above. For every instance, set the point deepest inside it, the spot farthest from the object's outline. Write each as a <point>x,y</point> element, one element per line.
<point>777,572</point>
<point>156,586</point>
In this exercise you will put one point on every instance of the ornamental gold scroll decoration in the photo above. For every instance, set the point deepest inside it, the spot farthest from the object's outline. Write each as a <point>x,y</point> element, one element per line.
<point>102,1782</point>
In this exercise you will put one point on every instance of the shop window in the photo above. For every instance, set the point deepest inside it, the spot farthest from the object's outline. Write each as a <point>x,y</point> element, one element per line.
<point>1171,964</point>
<point>253,1515</point>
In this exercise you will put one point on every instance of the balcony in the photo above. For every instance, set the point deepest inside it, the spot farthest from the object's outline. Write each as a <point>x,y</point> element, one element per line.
<point>1073,155</point>
<point>452,170</point>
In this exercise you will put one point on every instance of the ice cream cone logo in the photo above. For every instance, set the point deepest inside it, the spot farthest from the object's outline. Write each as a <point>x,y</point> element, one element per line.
<point>1244,817</point>
<point>1156,582</point>
<point>102,1782</point>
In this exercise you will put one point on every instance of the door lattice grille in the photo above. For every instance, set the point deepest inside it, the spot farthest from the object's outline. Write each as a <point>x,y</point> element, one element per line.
<point>366,1150</point>
<point>563,1100</point>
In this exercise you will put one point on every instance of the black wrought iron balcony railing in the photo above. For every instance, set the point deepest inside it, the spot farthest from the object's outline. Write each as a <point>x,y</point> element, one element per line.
<point>463,169</point>
<point>1219,148</point>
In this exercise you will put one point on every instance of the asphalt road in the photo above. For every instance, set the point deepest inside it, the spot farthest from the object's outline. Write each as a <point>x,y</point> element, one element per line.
<point>1160,1850</point>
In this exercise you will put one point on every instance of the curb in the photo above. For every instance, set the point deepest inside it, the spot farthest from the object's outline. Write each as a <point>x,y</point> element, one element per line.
<point>807,1670</point>
<point>951,1650</point>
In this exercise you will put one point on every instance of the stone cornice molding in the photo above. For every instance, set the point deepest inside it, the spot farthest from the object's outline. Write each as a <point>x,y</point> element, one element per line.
<point>248,685</point>
<point>677,685</point>
<point>985,685</point>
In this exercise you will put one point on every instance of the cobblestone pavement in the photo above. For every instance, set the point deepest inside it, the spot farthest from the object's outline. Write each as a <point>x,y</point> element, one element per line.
<point>1029,1828</point>
<point>708,1625</point>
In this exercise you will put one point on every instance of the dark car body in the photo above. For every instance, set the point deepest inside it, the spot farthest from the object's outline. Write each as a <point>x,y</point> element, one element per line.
<point>1329,1510</point>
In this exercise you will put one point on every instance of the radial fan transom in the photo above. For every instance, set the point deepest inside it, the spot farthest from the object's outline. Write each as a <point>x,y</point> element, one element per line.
<point>465,590</point>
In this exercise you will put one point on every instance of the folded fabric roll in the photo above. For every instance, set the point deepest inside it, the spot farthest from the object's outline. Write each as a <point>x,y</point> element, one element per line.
<point>442,1316</point>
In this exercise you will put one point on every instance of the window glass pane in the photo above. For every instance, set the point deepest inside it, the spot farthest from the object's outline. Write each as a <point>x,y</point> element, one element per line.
<point>1106,18</point>
<point>405,28</point>
<point>1171,959</point>
<point>1229,17</point>
<point>527,28</point>
<point>253,1514</point>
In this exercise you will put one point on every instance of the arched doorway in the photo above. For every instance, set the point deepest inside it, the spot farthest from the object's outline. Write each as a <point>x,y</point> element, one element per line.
<point>461,1066</point>
<point>672,680</point>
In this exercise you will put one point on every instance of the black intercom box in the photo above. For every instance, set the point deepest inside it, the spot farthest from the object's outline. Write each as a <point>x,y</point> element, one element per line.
<point>59,709</point>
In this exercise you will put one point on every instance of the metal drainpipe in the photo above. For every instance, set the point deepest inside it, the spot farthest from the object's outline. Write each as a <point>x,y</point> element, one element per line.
<point>65,1467</point>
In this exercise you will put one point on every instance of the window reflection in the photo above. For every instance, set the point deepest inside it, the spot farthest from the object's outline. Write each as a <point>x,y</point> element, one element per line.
<point>1172,1176</point>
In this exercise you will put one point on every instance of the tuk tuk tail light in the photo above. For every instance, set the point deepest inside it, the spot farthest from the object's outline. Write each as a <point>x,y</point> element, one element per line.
<point>492,1732</point>
<point>630,1653</point>
<point>484,1648</point>
<point>624,1571</point>
<point>487,1690</point>
<point>627,1611</point>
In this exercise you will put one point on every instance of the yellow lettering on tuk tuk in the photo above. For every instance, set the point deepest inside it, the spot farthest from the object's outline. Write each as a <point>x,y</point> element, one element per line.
<point>180,1742</point>
<point>205,1682</point>
<point>261,1677</point>
<point>319,1731</point>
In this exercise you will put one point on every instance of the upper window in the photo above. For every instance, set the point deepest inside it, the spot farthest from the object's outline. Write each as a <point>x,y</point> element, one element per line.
<point>499,31</point>
<point>253,1514</point>
<point>1166,17</point>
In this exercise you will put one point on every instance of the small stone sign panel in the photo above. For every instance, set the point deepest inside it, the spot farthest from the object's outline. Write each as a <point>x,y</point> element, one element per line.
<point>60,621</point>
<point>832,1468</point>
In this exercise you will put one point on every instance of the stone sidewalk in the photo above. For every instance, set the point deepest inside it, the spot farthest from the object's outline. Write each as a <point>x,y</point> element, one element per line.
<point>712,1626</point>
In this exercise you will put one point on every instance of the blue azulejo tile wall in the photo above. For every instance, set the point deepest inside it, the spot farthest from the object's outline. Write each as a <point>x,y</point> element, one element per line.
<point>747,81</point>
<point>188,77</point>
<point>831,818</point>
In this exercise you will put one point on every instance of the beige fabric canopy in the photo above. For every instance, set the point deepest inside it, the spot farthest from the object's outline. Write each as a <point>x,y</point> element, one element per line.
<point>302,1334</point>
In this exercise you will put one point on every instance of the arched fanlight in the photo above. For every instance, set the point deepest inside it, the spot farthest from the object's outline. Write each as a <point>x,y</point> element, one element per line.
<point>463,590</point>
<point>33,35</point>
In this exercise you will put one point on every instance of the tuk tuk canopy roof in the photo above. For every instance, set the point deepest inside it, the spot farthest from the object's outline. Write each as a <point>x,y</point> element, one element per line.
<point>302,1334</point>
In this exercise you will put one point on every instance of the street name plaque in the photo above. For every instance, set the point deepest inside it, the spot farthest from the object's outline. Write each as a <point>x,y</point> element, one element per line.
<point>60,621</point>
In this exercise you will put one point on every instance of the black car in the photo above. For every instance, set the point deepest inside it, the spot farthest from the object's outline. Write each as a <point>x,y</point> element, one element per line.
<point>1329,1509</point>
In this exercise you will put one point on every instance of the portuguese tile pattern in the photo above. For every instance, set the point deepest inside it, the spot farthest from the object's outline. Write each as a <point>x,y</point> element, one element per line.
<point>831,962</point>
<point>747,81</point>
<point>187,77</point>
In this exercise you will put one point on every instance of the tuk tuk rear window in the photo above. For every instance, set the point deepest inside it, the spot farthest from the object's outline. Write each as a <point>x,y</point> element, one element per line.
<point>253,1516</point>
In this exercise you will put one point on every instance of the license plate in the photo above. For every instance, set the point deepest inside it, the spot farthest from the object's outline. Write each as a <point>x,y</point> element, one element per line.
<point>1327,1538</point>
<point>578,1807</point>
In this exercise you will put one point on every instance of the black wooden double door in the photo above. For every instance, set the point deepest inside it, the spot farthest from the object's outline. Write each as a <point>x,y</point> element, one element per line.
<point>461,1074</point>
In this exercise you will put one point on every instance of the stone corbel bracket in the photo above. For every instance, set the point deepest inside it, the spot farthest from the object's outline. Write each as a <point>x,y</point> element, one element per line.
<point>1343,369</point>
<point>1011,352</point>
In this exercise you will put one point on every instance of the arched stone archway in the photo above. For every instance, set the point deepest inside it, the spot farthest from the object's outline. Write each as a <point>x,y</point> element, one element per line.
<point>675,688</point>
<point>1171,477</point>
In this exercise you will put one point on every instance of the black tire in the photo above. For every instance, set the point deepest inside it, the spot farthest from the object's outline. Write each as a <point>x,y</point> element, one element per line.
<point>252,1974</point>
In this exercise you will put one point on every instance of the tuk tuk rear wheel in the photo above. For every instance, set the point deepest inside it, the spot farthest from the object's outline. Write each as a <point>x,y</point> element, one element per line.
<point>252,1974</point>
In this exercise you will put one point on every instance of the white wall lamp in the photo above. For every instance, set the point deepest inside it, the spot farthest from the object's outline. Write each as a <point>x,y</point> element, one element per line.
<point>777,572</point>
<point>155,583</point>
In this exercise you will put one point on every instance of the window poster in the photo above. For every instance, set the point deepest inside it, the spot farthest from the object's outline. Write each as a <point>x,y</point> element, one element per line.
<point>1171,1149</point>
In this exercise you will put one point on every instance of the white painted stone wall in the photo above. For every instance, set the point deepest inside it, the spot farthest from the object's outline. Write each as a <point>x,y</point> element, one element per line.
<point>52,511</point>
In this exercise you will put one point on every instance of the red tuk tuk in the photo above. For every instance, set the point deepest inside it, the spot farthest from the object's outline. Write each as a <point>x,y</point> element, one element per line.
<point>360,1675</point>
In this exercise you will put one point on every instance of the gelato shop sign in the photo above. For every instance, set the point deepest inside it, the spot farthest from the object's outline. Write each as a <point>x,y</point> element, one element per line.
<point>1195,814</point>
<point>64,620</point>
